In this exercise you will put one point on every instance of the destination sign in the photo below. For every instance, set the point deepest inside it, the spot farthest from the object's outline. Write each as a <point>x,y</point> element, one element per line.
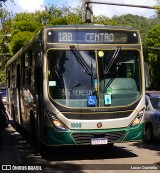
<point>91,37</point>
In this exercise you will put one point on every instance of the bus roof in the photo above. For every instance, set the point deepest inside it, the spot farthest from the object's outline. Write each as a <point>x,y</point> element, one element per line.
<point>96,26</point>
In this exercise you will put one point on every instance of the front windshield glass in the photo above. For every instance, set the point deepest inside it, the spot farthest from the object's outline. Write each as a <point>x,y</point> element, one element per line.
<point>80,79</point>
<point>119,77</point>
<point>71,75</point>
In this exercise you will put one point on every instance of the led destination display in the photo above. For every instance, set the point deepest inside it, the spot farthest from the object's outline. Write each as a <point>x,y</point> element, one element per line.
<point>92,37</point>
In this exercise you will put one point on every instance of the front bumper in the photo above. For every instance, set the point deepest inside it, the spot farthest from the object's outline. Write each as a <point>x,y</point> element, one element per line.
<point>53,137</point>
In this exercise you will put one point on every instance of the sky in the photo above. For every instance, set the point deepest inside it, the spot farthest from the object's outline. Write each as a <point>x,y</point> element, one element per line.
<point>107,10</point>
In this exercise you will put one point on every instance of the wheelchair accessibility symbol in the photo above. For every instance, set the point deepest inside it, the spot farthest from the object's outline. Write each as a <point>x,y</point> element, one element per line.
<point>92,101</point>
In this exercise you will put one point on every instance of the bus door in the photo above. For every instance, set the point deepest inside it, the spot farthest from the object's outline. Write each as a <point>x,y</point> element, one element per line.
<point>39,89</point>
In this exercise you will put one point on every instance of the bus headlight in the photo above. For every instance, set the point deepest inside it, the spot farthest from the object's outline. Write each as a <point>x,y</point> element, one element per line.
<point>137,120</point>
<point>56,122</point>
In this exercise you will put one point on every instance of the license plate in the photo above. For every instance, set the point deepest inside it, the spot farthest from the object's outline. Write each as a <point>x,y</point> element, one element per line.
<point>99,141</point>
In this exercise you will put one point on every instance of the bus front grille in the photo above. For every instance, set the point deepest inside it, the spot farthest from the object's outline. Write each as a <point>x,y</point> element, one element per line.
<point>85,138</point>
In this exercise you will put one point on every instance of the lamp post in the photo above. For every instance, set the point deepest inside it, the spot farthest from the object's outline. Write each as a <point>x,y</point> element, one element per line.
<point>87,8</point>
<point>87,11</point>
<point>121,4</point>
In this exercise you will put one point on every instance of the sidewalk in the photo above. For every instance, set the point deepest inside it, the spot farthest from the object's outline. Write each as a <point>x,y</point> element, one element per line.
<point>10,153</point>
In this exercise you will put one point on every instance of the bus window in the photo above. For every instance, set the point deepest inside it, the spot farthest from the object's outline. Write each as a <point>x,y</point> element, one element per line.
<point>122,80</point>
<point>8,79</point>
<point>69,81</point>
<point>18,83</point>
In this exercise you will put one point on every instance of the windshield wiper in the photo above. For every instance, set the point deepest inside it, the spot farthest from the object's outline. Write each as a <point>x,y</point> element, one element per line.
<point>108,84</point>
<point>81,60</point>
<point>112,60</point>
<point>108,68</point>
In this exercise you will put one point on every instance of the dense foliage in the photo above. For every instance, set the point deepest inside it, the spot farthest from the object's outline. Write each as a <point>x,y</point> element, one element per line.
<point>153,43</point>
<point>18,29</point>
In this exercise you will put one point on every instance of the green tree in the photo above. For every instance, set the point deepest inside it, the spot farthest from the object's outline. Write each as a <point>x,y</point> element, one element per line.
<point>5,27</point>
<point>104,20</point>
<point>25,25</point>
<point>22,32</point>
<point>143,24</point>
<point>74,16</point>
<point>153,42</point>
<point>63,16</point>
<point>19,40</point>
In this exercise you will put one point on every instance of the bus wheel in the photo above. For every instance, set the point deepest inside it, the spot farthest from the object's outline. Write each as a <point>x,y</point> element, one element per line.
<point>149,136</point>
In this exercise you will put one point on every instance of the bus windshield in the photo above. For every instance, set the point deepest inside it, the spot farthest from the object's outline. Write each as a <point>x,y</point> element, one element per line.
<point>78,78</point>
<point>119,77</point>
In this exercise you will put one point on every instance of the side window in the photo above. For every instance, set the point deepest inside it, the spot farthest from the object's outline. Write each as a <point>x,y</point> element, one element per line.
<point>38,71</point>
<point>8,79</point>
<point>27,77</point>
<point>18,79</point>
<point>129,68</point>
<point>13,82</point>
<point>28,69</point>
<point>32,70</point>
<point>23,70</point>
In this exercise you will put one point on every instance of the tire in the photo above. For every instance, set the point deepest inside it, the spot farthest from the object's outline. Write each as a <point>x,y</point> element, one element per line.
<point>149,135</point>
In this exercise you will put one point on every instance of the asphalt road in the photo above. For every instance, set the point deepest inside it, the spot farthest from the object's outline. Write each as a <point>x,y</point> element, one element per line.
<point>123,157</point>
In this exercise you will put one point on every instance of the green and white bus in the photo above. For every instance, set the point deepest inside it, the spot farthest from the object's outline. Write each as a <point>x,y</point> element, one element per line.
<point>79,85</point>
